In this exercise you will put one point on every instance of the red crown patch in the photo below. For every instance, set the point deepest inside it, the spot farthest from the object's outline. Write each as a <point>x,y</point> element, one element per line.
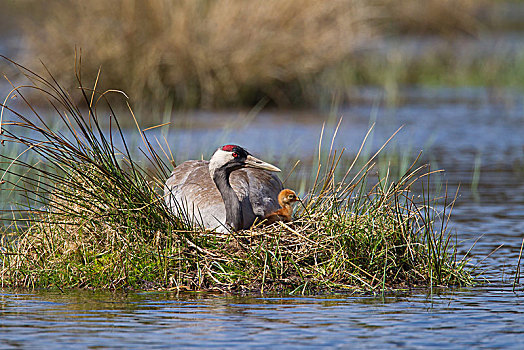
<point>228,148</point>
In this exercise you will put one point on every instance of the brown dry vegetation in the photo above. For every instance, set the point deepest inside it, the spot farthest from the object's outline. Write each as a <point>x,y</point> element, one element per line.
<point>202,52</point>
<point>447,17</point>
<point>225,52</point>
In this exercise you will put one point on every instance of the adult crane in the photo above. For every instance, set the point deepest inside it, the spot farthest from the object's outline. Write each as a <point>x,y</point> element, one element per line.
<point>228,192</point>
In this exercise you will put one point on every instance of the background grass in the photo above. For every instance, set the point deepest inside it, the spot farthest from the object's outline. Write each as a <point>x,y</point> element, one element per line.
<point>229,52</point>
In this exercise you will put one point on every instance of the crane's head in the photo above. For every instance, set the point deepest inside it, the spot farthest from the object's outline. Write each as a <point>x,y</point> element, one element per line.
<point>233,157</point>
<point>287,196</point>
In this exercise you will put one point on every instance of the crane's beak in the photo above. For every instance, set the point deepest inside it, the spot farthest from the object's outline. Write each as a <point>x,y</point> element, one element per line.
<point>253,162</point>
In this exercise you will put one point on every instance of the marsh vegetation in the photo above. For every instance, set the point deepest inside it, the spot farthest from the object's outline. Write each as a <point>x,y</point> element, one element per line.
<point>237,53</point>
<point>92,215</point>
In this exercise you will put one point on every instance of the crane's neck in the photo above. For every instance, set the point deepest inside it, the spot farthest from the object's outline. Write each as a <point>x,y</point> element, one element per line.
<point>234,215</point>
<point>287,208</point>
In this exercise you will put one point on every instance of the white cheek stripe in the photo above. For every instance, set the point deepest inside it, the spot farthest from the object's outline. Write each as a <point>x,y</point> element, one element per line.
<point>218,159</point>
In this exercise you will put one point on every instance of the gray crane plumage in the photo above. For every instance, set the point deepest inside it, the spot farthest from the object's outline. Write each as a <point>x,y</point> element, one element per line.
<point>192,191</point>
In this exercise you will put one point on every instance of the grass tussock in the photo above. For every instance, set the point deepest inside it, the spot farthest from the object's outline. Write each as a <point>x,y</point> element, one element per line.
<point>90,216</point>
<point>199,53</point>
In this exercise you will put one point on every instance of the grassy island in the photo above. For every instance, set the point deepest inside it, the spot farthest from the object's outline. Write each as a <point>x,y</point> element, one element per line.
<point>89,215</point>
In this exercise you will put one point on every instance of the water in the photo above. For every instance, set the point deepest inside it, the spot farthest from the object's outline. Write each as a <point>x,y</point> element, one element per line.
<point>480,317</point>
<point>459,131</point>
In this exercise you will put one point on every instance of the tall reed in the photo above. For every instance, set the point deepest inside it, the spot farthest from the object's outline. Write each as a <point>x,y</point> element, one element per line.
<point>92,216</point>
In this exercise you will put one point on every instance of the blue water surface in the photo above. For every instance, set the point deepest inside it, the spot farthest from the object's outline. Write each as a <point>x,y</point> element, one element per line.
<point>490,317</point>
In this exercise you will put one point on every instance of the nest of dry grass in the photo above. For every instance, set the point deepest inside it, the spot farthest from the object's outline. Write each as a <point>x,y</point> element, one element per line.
<point>382,244</point>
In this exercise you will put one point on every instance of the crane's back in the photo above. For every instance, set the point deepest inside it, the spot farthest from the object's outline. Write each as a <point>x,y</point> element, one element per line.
<point>190,192</point>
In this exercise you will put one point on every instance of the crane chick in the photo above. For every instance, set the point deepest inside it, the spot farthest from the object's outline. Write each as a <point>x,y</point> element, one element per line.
<point>286,198</point>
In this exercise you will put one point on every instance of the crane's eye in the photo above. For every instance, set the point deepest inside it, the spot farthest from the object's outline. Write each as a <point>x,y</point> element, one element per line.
<point>235,155</point>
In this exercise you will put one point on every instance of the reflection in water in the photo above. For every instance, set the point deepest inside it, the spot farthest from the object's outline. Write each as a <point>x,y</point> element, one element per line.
<point>459,318</point>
